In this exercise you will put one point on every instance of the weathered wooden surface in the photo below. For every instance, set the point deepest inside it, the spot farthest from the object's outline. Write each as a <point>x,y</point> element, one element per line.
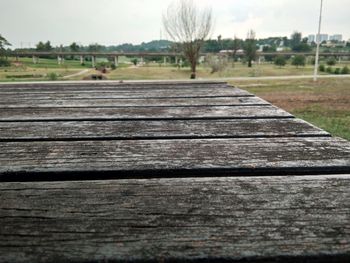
<point>93,130</point>
<point>127,93</point>
<point>147,158</point>
<point>129,113</point>
<point>14,102</point>
<point>233,219</point>
<point>90,85</point>
<point>208,132</point>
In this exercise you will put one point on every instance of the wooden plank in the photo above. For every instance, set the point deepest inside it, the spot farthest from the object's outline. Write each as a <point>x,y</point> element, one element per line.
<point>256,219</point>
<point>129,113</point>
<point>126,93</point>
<point>93,130</point>
<point>165,158</point>
<point>54,86</point>
<point>67,102</point>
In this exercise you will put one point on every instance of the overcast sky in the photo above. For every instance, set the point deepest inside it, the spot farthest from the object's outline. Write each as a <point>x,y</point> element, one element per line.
<point>114,22</point>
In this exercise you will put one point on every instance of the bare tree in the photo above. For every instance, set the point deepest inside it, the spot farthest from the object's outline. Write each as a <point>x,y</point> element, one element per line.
<point>190,26</point>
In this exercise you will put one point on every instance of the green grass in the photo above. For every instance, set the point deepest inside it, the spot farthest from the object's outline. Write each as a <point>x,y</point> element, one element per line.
<point>325,103</point>
<point>52,63</point>
<point>126,71</point>
<point>336,123</point>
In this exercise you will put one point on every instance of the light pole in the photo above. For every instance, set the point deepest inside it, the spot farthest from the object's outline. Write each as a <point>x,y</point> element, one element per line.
<point>318,40</point>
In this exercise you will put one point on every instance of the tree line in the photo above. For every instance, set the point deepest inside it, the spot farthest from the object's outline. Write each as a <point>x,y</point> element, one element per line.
<point>294,43</point>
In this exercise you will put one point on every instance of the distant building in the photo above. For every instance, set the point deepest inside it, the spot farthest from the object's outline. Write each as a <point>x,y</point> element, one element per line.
<point>311,38</point>
<point>336,37</point>
<point>323,37</point>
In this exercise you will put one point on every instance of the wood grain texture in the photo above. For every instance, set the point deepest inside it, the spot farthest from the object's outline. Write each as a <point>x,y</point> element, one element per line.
<point>149,158</point>
<point>233,219</point>
<point>120,113</point>
<point>126,93</point>
<point>193,137</point>
<point>93,130</point>
<point>6,102</point>
<point>67,86</point>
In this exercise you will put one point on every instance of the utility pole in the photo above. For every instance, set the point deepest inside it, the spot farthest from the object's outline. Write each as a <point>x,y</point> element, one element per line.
<point>318,40</point>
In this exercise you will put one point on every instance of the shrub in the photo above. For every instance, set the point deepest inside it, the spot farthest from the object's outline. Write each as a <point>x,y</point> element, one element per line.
<point>345,70</point>
<point>322,68</point>
<point>280,61</point>
<point>4,62</point>
<point>102,66</point>
<point>337,71</point>
<point>24,76</point>
<point>329,70</point>
<point>52,76</point>
<point>113,66</point>
<point>299,60</point>
<point>331,61</point>
<point>134,61</point>
<point>217,64</point>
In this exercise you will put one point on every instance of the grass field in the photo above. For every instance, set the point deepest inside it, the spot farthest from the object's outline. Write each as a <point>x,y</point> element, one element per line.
<point>325,104</point>
<point>238,70</point>
<point>27,70</point>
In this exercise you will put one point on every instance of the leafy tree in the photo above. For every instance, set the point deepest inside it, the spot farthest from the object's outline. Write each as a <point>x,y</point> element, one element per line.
<point>3,43</point>
<point>95,47</point>
<point>211,45</point>
<point>302,47</point>
<point>280,61</point>
<point>74,47</point>
<point>299,44</point>
<point>295,39</point>
<point>250,47</point>
<point>331,61</point>
<point>272,49</point>
<point>299,60</point>
<point>41,46</point>
<point>286,41</point>
<point>187,24</point>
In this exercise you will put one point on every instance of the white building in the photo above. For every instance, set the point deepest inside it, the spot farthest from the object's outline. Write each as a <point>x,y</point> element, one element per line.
<point>323,37</point>
<point>336,37</point>
<point>311,38</point>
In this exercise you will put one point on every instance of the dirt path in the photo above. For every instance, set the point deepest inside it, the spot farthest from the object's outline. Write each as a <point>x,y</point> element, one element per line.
<point>77,74</point>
